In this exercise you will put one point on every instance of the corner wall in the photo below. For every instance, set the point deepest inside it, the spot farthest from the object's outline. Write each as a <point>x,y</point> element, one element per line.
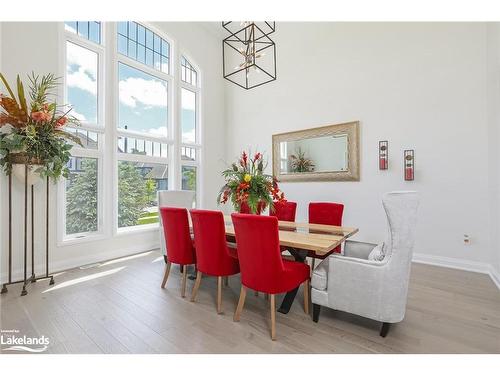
<point>493,64</point>
<point>420,86</point>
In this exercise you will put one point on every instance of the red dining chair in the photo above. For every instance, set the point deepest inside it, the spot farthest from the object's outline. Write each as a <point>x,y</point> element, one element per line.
<point>213,256</point>
<point>180,249</point>
<point>327,213</point>
<point>245,208</point>
<point>284,211</point>
<point>262,268</point>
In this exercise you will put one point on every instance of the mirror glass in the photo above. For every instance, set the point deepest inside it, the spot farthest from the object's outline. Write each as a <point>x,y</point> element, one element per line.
<point>328,153</point>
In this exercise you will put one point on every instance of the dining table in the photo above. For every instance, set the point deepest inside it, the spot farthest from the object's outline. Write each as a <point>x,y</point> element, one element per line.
<point>302,240</point>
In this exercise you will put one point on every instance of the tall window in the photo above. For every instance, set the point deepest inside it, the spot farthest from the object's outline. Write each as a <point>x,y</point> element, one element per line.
<point>143,98</point>
<point>83,189</point>
<point>144,87</point>
<point>190,147</point>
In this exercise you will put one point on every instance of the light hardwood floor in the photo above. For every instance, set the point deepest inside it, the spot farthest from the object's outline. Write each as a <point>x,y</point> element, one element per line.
<point>119,307</point>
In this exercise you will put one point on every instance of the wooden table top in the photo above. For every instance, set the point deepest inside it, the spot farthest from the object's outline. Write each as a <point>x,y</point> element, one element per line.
<point>314,237</point>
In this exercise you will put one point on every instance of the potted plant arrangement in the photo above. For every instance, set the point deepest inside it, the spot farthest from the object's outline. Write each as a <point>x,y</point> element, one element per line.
<point>248,188</point>
<point>32,134</point>
<point>300,163</point>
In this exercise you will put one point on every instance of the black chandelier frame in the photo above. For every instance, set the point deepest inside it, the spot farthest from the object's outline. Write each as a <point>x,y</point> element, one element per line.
<point>262,39</point>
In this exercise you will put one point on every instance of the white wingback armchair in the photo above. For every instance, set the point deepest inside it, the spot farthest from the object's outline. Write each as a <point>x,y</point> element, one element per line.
<point>370,288</point>
<point>173,198</point>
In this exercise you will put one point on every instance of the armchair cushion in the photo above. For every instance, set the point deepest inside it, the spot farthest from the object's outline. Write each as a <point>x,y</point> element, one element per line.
<point>320,276</point>
<point>356,249</point>
<point>378,253</point>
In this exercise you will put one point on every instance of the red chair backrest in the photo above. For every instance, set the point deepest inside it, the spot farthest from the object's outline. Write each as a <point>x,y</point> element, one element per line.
<point>284,211</point>
<point>180,248</point>
<point>245,209</point>
<point>212,256</point>
<point>326,213</point>
<point>258,247</point>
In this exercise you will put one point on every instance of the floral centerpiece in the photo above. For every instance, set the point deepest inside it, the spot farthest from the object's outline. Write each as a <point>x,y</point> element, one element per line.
<point>34,135</point>
<point>248,188</point>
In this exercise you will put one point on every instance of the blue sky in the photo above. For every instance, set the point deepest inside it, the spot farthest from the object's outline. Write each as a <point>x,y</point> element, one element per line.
<point>142,97</point>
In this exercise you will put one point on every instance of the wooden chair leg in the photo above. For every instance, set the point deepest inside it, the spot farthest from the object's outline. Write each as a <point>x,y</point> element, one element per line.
<point>306,297</point>
<point>316,310</point>
<point>385,329</point>
<point>184,279</point>
<point>241,302</point>
<point>196,286</point>
<point>167,272</point>
<point>219,294</point>
<point>273,316</point>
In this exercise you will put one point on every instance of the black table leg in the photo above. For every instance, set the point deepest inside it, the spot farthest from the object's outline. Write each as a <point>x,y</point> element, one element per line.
<point>286,304</point>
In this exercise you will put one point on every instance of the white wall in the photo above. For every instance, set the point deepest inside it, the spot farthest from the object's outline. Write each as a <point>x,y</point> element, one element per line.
<point>22,53</point>
<point>493,64</point>
<point>420,86</point>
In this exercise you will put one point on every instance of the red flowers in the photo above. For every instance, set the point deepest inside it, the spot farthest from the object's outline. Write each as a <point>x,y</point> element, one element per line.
<point>247,183</point>
<point>225,196</point>
<point>244,159</point>
<point>277,194</point>
<point>61,122</point>
<point>41,116</point>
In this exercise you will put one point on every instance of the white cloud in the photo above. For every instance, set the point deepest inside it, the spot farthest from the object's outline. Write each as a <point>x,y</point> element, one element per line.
<point>85,77</point>
<point>160,131</point>
<point>188,100</point>
<point>189,137</point>
<point>78,115</point>
<point>149,92</point>
<point>82,81</point>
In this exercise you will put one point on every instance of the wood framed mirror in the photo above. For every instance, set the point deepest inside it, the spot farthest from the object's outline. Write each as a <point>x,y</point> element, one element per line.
<point>327,153</point>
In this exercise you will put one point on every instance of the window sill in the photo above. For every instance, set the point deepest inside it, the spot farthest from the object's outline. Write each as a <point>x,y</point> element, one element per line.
<point>137,229</point>
<point>73,240</point>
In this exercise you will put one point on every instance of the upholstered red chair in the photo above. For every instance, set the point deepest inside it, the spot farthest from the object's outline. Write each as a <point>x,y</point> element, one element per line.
<point>180,249</point>
<point>213,256</point>
<point>261,266</point>
<point>326,213</point>
<point>245,209</point>
<point>284,211</point>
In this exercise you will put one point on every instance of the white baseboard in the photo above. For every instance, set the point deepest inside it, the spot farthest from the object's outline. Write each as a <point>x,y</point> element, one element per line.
<point>495,276</point>
<point>459,264</point>
<point>67,264</point>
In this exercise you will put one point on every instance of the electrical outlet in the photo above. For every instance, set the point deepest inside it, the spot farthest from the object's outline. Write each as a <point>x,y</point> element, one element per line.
<point>466,239</point>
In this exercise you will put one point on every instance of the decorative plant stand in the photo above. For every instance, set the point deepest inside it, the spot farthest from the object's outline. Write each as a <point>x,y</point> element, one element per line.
<point>28,279</point>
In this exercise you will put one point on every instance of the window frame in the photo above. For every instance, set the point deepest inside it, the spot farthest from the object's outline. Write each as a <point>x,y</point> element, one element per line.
<point>197,89</point>
<point>107,154</point>
<point>67,36</point>
<point>118,58</point>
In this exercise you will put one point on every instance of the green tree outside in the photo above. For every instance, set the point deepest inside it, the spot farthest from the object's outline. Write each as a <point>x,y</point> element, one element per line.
<point>81,198</point>
<point>135,193</point>
<point>189,178</point>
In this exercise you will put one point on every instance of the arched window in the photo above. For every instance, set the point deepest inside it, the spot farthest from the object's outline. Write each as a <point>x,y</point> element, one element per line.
<point>154,148</point>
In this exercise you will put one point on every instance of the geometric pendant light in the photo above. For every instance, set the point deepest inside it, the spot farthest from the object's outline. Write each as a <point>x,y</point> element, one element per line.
<point>248,53</point>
